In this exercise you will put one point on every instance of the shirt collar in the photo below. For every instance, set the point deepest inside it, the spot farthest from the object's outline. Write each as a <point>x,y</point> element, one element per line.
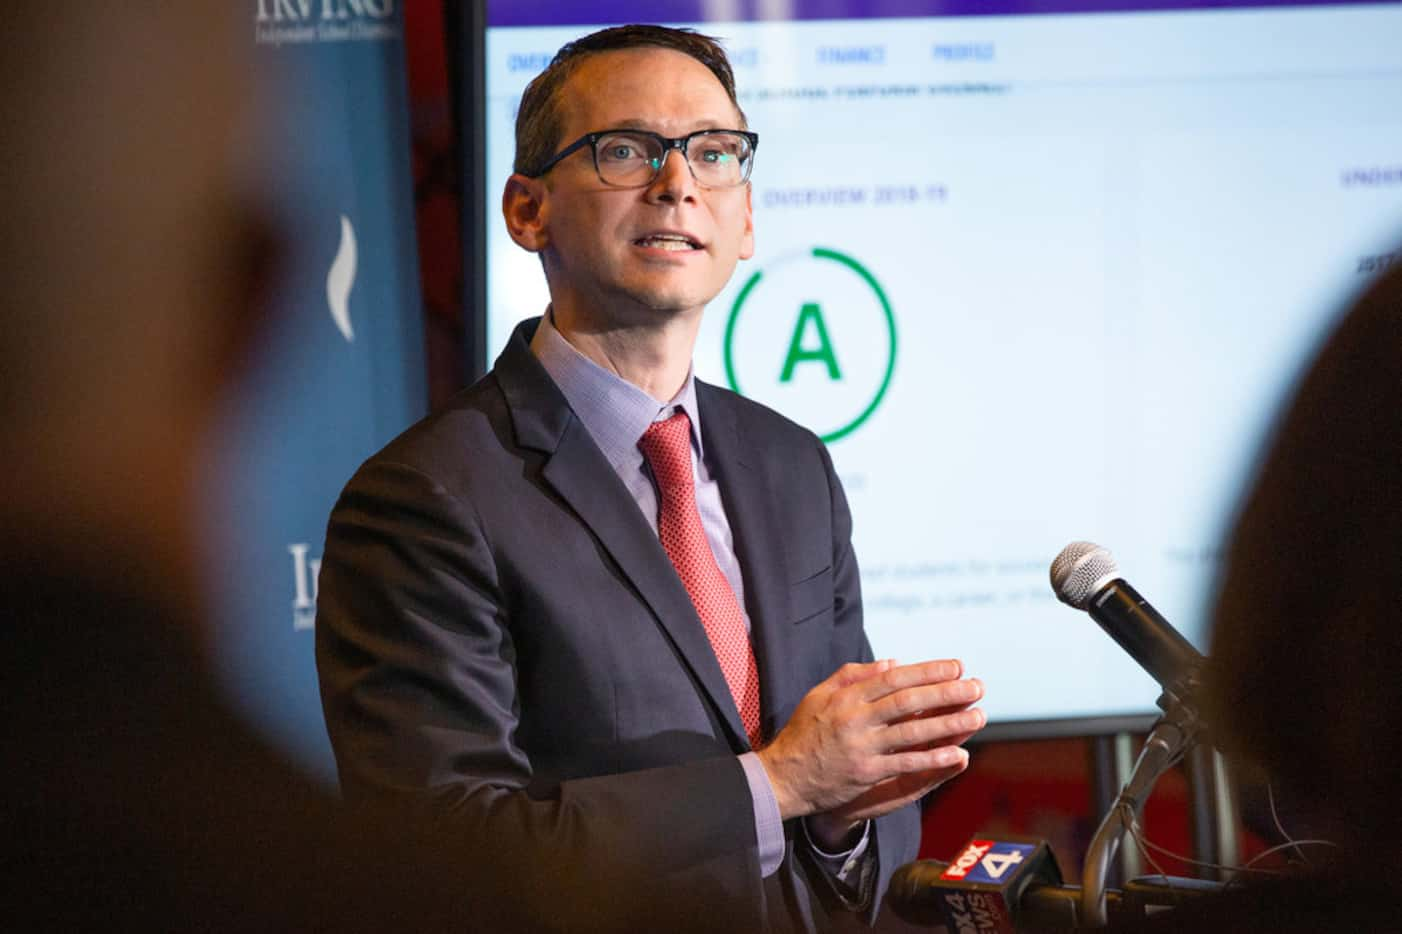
<point>613,410</point>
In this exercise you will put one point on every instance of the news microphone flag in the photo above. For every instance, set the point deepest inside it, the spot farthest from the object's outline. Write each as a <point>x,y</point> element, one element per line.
<point>979,891</point>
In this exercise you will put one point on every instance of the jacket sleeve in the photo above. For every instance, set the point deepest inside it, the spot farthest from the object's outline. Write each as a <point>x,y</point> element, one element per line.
<point>418,679</point>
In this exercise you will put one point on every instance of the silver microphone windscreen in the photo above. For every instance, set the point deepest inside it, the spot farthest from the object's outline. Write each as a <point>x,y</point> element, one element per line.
<point>1080,571</point>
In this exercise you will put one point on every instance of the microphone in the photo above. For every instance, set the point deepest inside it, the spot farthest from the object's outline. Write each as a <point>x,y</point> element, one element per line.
<point>982,890</point>
<point>1033,899</point>
<point>1086,577</point>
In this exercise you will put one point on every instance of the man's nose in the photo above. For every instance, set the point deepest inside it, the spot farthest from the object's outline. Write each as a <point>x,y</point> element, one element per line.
<point>674,181</point>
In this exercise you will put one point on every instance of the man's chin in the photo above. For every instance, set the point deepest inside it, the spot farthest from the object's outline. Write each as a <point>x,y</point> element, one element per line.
<point>674,290</point>
<point>669,303</point>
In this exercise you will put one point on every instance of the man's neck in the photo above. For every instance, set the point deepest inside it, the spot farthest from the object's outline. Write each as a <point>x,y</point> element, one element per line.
<point>655,358</point>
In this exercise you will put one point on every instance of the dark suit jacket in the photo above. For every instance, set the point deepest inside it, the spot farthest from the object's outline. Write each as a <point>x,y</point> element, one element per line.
<point>500,632</point>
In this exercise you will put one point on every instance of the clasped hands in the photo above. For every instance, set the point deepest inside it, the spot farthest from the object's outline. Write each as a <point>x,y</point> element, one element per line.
<point>870,739</point>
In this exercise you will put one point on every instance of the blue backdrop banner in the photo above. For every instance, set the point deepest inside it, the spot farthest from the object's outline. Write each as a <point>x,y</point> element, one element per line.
<point>342,370</point>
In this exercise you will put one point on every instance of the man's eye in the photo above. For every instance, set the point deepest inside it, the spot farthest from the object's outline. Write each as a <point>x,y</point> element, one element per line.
<point>716,156</point>
<point>621,150</point>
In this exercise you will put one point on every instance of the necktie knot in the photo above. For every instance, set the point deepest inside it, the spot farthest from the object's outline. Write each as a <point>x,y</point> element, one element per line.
<point>667,447</point>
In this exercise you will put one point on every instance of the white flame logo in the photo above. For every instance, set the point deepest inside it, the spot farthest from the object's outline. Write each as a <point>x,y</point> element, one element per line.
<point>341,278</point>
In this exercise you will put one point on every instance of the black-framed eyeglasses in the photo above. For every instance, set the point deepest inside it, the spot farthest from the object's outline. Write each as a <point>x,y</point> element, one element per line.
<point>633,158</point>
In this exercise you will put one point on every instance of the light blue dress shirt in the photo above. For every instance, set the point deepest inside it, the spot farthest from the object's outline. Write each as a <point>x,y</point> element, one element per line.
<point>616,413</point>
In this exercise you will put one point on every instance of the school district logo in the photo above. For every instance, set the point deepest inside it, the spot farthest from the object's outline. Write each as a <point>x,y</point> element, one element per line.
<point>306,569</point>
<point>340,279</point>
<point>813,336</point>
<point>298,22</point>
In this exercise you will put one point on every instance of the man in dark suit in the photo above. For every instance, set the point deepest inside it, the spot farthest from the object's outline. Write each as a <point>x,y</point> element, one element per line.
<point>608,612</point>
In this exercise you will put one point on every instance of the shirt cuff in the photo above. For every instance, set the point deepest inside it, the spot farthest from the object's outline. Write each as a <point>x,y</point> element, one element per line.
<point>850,872</point>
<point>769,828</point>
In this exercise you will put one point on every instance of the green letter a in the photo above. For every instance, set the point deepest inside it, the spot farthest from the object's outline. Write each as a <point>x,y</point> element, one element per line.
<point>810,313</point>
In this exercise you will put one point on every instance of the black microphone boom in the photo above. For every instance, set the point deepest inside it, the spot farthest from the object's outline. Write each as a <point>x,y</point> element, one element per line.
<point>1086,577</point>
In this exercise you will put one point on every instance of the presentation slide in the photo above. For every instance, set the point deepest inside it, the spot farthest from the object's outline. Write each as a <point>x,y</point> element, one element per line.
<point>1035,279</point>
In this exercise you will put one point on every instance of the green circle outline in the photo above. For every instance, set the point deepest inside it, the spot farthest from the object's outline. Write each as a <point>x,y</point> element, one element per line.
<point>859,269</point>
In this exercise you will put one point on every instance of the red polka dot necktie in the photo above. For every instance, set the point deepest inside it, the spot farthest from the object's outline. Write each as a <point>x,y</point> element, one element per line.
<point>667,447</point>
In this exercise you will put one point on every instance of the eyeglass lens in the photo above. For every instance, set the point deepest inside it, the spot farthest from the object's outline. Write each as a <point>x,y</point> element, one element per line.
<point>718,159</point>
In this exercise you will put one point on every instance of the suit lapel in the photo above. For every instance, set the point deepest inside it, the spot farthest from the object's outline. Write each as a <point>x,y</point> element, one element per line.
<point>580,474</point>
<point>743,468</point>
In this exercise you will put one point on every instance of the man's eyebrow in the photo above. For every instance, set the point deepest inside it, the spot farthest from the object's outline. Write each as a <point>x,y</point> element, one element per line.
<point>698,126</point>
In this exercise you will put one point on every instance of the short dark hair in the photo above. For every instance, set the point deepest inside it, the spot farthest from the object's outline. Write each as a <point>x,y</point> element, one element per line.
<point>538,123</point>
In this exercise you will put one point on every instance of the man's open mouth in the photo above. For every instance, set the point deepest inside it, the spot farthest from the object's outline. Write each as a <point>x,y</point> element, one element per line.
<point>675,242</point>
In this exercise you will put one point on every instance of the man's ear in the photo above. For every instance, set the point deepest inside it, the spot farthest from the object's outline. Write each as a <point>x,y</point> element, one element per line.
<point>524,206</point>
<point>747,242</point>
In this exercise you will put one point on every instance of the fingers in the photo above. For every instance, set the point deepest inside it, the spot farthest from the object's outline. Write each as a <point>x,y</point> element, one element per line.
<point>959,739</point>
<point>871,733</point>
<point>853,672</point>
<point>949,729</point>
<point>900,677</point>
<point>924,699</point>
<point>900,790</point>
<point>916,761</point>
<point>903,789</point>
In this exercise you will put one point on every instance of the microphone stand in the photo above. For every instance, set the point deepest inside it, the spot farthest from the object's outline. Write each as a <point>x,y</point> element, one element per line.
<point>1174,733</point>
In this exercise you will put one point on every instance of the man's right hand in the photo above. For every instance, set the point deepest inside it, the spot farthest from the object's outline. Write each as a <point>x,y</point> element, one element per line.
<point>872,738</point>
